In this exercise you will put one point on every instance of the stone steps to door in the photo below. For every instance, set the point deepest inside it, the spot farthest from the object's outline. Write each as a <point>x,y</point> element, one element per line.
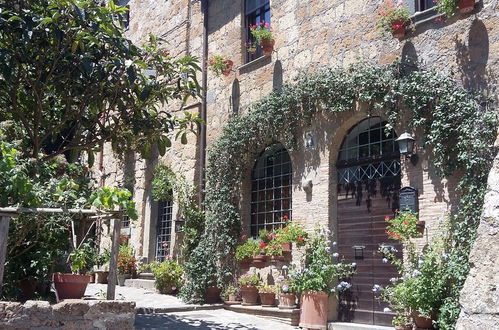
<point>140,284</point>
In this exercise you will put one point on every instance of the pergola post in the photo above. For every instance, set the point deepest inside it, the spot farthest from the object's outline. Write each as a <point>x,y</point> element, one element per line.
<point>113,262</point>
<point>4,234</point>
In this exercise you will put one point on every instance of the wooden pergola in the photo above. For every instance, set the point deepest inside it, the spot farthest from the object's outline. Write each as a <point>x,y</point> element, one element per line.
<point>6,213</point>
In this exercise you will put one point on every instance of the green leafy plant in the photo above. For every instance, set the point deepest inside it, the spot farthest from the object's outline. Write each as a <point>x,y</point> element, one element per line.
<point>168,275</point>
<point>261,32</point>
<point>273,249</point>
<point>266,288</point>
<point>249,280</point>
<point>447,7</point>
<point>220,65</point>
<point>113,199</point>
<point>402,227</point>
<point>162,183</point>
<point>392,15</point>
<point>228,291</point>
<point>292,232</point>
<point>319,271</point>
<point>250,248</point>
<point>82,258</point>
<point>102,258</point>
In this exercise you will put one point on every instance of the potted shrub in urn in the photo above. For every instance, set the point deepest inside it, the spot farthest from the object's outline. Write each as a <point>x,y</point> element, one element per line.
<point>73,286</point>
<point>315,280</point>
<point>248,286</point>
<point>126,263</point>
<point>168,276</point>
<point>267,294</point>
<point>393,16</point>
<point>263,36</point>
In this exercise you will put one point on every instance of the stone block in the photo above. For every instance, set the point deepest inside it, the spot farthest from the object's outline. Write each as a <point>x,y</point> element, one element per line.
<point>70,309</point>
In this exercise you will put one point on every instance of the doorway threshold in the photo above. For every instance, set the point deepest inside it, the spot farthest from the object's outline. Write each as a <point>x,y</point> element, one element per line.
<point>355,326</point>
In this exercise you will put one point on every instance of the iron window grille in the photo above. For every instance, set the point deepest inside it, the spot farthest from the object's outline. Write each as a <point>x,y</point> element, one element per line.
<point>271,182</point>
<point>255,12</point>
<point>163,230</point>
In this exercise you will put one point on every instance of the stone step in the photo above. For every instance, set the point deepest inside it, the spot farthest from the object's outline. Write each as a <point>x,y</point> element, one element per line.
<point>287,316</point>
<point>355,326</point>
<point>140,284</point>
<point>146,276</point>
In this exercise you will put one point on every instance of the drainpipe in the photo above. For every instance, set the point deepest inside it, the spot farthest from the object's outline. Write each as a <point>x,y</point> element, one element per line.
<point>204,83</point>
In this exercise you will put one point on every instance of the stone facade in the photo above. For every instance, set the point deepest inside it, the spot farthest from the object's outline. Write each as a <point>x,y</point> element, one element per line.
<point>68,314</point>
<point>309,35</point>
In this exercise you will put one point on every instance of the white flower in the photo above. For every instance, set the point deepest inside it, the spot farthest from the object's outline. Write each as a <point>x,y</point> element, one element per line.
<point>420,262</point>
<point>128,63</point>
<point>336,255</point>
<point>332,290</point>
<point>376,288</point>
<point>354,264</point>
<point>393,280</point>
<point>328,248</point>
<point>386,310</point>
<point>384,260</point>
<point>328,231</point>
<point>284,267</point>
<point>416,273</point>
<point>334,243</point>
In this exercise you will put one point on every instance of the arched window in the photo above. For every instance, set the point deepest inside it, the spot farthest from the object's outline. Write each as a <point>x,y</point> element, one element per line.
<point>369,151</point>
<point>270,189</point>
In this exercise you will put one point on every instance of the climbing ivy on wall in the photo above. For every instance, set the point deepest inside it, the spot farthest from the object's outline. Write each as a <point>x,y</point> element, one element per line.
<point>457,126</point>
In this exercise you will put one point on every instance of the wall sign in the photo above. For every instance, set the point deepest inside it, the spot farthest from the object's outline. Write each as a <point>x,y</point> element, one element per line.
<point>408,197</point>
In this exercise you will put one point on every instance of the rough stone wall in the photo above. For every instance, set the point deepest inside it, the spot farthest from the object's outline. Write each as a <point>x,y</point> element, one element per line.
<point>68,314</point>
<point>311,35</point>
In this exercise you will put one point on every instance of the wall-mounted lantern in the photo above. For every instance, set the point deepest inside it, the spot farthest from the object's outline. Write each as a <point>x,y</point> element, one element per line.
<point>358,251</point>
<point>179,225</point>
<point>406,147</point>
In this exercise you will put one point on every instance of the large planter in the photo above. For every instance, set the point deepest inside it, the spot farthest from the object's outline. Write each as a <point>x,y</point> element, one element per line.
<point>287,301</point>
<point>466,6</point>
<point>212,295</point>
<point>70,286</point>
<point>28,288</point>
<point>422,322</point>
<point>267,299</point>
<point>399,30</point>
<point>267,46</point>
<point>245,263</point>
<point>249,295</point>
<point>259,261</point>
<point>313,313</point>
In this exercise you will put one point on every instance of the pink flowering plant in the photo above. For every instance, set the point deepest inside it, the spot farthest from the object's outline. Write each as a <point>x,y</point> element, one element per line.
<point>261,32</point>
<point>402,227</point>
<point>392,15</point>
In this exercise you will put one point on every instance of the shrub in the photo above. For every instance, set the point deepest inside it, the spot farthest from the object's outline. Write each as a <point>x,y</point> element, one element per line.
<point>403,227</point>
<point>126,259</point>
<point>249,280</point>
<point>168,276</point>
<point>248,249</point>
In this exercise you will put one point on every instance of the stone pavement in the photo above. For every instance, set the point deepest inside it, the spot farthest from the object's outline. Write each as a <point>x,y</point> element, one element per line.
<point>207,319</point>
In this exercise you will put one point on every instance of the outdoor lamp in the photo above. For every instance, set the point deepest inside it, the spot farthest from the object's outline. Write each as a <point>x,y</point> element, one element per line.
<point>179,225</point>
<point>406,147</point>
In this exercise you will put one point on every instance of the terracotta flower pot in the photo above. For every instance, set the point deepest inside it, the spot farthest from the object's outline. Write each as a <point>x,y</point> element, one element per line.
<point>466,6</point>
<point>259,261</point>
<point>28,288</point>
<point>398,29</point>
<point>286,247</point>
<point>245,263</point>
<point>101,276</point>
<point>267,299</point>
<point>420,225</point>
<point>232,300</point>
<point>287,301</point>
<point>249,295</point>
<point>313,313</point>
<point>267,46</point>
<point>423,322</point>
<point>70,286</point>
<point>212,295</point>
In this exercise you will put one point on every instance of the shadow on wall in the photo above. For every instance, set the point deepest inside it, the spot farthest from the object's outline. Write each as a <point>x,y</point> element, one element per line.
<point>235,97</point>
<point>277,78</point>
<point>473,58</point>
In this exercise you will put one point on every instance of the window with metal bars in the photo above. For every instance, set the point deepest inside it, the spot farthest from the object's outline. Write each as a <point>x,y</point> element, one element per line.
<point>163,230</point>
<point>271,182</point>
<point>255,11</point>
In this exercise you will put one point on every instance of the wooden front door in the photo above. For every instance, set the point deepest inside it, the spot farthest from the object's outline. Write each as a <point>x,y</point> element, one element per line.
<point>362,207</point>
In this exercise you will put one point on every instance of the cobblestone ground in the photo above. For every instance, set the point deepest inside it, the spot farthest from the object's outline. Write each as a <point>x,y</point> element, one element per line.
<point>207,319</point>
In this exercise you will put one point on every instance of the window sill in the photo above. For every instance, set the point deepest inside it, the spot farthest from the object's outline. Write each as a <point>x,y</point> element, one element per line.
<point>255,64</point>
<point>422,17</point>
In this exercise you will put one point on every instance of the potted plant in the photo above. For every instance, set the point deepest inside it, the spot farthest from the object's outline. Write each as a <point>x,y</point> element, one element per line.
<point>393,17</point>
<point>287,298</point>
<point>404,226</point>
<point>267,294</point>
<point>245,251</point>
<point>263,36</point>
<point>291,233</point>
<point>101,268</point>
<point>168,276</point>
<point>220,65</point>
<point>315,280</point>
<point>274,250</point>
<point>229,295</point>
<point>401,322</point>
<point>73,286</point>
<point>126,263</point>
<point>248,286</point>
<point>449,7</point>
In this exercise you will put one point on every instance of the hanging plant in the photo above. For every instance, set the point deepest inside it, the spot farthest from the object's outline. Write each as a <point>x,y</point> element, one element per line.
<point>448,8</point>
<point>263,36</point>
<point>220,65</point>
<point>393,18</point>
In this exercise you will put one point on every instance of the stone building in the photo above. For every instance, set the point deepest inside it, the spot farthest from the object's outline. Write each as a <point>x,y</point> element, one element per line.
<point>315,183</point>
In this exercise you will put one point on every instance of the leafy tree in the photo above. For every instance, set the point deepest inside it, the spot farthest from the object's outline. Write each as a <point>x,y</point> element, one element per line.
<point>71,80</point>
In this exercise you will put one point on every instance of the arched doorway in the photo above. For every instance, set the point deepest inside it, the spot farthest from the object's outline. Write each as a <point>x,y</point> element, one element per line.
<point>367,188</point>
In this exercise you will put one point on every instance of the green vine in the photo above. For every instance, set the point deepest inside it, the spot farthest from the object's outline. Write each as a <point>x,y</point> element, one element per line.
<point>167,185</point>
<point>456,125</point>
